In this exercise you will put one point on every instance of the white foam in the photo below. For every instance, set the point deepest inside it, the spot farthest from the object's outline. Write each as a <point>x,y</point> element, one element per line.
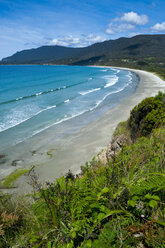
<point>116,70</point>
<point>83,112</point>
<point>112,81</point>
<point>67,100</point>
<point>54,106</point>
<point>83,93</point>
<point>129,76</point>
<point>43,110</point>
<point>19,98</point>
<point>11,123</point>
<point>38,94</point>
<point>104,70</point>
<point>113,92</point>
<point>16,122</point>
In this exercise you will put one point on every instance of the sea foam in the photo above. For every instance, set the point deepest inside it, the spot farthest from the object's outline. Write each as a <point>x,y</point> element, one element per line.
<point>83,93</point>
<point>111,81</point>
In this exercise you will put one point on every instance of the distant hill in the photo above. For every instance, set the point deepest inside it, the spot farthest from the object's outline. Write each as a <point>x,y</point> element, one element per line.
<point>139,47</point>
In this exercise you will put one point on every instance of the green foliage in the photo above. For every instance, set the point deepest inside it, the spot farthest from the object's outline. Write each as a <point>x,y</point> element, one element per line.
<point>118,205</point>
<point>50,153</point>
<point>110,206</point>
<point>16,221</point>
<point>121,128</point>
<point>10,180</point>
<point>147,115</point>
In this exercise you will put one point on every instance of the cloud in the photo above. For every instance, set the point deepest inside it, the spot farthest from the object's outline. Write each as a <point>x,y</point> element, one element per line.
<point>127,21</point>
<point>124,26</point>
<point>113,28</point>
<point>110,28</point>
<point>134,18</point>
<point>159,27</point>
<point>71,41</point>
<point>109,31</point>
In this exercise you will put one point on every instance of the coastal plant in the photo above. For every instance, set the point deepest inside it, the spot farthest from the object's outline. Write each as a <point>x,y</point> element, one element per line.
<point>103,196</point>
<point>118,205</point>
<point>147,115</point>
<point>16,219</point>
<point>12,178</point>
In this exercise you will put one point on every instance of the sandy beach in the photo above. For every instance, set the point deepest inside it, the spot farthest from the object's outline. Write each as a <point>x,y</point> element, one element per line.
<point>56,154</point>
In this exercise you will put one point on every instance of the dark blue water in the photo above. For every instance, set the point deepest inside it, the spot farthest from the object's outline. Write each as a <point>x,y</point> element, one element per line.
<point>34,97</point>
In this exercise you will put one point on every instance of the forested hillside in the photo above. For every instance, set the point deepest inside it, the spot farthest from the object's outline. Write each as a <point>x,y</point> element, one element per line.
<point>137,47</point>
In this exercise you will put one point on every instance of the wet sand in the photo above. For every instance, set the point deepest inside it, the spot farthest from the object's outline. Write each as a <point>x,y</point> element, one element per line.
<point>56,154</point>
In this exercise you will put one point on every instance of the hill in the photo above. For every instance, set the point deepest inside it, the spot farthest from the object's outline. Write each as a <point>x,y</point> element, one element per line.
<point>150,47</point>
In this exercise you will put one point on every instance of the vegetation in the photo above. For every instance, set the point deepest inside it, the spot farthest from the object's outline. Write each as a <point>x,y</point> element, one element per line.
<point>9,180</point>
<point>146,116</point>
<point>122,128</point>
<point>50,153</point>
<point>152,64</point>
<point>117,205</point>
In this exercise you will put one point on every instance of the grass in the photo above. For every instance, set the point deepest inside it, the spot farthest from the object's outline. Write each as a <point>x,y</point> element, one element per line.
<point>122,128</point>
<point>13,177</point>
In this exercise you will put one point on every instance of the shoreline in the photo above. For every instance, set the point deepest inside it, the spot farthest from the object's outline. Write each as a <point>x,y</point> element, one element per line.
<point>75,149</point>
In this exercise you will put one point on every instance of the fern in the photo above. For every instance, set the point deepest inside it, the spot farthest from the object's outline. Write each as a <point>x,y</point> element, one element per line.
<point>151,183</point>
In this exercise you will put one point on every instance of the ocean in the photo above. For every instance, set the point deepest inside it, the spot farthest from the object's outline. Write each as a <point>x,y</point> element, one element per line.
<point>36,97</point>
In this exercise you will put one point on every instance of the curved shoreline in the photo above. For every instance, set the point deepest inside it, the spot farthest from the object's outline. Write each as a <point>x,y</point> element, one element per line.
<point>75,149</point>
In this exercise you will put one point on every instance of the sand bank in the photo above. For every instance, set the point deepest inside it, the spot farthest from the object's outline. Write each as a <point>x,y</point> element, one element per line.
<point>74,149</point>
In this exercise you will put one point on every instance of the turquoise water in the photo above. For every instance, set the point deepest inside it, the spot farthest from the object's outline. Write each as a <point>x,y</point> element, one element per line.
<point>36,97</point>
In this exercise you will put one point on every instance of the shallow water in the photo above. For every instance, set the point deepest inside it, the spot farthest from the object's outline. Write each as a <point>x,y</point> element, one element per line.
<point>34,98</point>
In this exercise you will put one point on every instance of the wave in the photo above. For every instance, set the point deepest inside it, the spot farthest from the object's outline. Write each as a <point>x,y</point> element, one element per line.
<point>34,95</point>
<point>113,92</point>
<point>83,93</point>
<point>83,112</point>
<point>38,94</point>
<point>54,106</point>
<point>73,116</point>
<point>24,120</point>
<point>116,70</point>
<point>42,93</point>
<point>129,76</point>
<point>113,80</point>
<point>48,91</point>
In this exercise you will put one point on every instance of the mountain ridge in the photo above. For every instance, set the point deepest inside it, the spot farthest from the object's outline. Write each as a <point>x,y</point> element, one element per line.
<point>139,47</point>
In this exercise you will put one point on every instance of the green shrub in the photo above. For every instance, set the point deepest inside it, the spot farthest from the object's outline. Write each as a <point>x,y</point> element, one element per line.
<point>147,115</point>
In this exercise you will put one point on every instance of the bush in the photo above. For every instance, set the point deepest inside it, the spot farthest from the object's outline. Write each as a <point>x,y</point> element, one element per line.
<point>147,115</point>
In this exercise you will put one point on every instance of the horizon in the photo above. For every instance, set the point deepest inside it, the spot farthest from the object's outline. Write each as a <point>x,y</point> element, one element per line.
<point>29,24</point>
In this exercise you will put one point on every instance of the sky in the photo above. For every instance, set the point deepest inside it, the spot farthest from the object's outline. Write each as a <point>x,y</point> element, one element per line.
<point>26,24</point>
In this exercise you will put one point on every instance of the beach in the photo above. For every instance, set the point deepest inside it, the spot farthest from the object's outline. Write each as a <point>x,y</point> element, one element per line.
<point>53,156</point>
